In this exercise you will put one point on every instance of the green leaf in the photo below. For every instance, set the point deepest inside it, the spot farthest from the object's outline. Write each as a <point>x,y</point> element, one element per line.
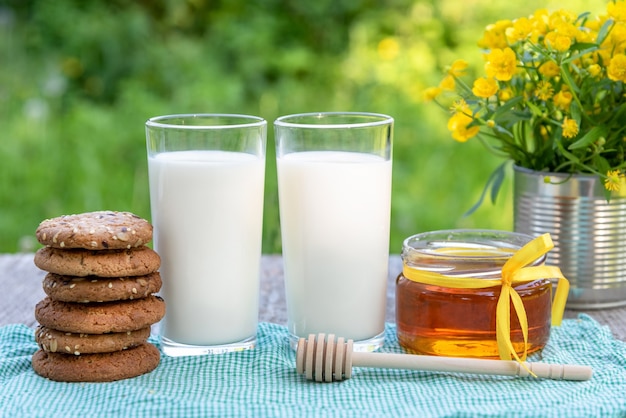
<point>580,49</point>
<point>601,164</point>
<point>591,136</point>
<point>603,167</point>
<point>507,106</point>
<point>604,31</point>
<point>618,117</point>
<point>503,131</point>
<point>583,46</point>
<point>567,76</point>
<point>537,111</point>
<point>574,110</point>
<point>509,119</point>
<point>567,154</point>
<point>494,182</point>
<point>498,177</point>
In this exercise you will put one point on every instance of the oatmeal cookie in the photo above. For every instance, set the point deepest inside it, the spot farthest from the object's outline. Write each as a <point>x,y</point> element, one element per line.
<point>100,318</point>
<point>102,230</point>
<point>104,263</point>
<point>99,367</point>
<point>54,341</point>
<point>98,289</point>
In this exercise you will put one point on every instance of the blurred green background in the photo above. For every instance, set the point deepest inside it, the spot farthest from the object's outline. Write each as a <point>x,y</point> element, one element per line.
<point>78,79</point>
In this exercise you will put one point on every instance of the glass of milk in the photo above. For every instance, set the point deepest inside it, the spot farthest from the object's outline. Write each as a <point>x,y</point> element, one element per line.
<point>334,188</point>
<point>206,176</point>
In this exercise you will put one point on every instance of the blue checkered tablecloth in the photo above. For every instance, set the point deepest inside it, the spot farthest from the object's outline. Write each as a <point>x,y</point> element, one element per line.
<point>263,383</point>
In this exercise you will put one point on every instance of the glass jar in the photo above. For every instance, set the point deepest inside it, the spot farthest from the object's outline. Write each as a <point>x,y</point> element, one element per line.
<point>459,322</point>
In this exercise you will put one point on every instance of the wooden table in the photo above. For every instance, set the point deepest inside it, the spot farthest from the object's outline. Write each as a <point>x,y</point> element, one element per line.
<point>20,290</point>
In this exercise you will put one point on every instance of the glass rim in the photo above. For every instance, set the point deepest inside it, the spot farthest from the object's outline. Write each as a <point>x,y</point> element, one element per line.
<point>484,237</point>
<point>160,121</point>
<point>379,119</point>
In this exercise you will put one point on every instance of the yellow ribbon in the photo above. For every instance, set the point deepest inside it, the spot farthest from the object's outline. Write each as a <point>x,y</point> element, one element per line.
<point>515,271</point>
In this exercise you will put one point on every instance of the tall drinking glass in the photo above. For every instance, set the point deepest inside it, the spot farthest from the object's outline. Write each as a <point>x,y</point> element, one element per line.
<point>334,184</point>
<point>206,193</point>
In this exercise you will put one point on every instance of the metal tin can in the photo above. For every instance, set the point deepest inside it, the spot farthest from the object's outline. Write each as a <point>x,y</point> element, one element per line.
<point>589,232</point>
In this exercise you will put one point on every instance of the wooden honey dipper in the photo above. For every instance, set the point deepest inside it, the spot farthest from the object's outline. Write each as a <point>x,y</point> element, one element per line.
<point>324,359</point>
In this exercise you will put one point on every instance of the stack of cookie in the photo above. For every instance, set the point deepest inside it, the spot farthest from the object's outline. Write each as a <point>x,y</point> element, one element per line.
<point>100,303</point>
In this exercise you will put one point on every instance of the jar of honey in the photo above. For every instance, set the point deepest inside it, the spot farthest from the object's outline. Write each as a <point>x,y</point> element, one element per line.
<point>460,322</point>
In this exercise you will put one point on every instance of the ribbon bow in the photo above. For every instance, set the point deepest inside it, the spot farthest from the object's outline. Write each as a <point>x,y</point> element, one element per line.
<point>515,271</point>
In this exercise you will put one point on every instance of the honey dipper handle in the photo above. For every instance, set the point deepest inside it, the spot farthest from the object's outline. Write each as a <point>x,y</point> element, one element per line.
<point>469,365</point>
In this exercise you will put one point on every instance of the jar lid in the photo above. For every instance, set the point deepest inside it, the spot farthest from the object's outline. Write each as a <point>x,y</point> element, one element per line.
<point>464,252</point>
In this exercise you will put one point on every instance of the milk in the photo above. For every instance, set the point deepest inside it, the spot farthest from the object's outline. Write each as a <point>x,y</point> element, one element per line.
<point>207,213</point>
<point>334,212</point>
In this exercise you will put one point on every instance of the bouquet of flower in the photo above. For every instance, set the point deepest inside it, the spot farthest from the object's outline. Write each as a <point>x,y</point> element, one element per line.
<point>552,97</point>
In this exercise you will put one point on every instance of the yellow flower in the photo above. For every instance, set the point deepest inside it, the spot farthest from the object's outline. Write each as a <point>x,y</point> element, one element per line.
<point>563,99</point>
<point>557,41</point>
<point>585,36</point>
<point>545,74</point>
<point>461,106</point>
<point>458,126</point>
<point>522,29</point>
<point>595,24</point>
<point>617,38</point>
<point>447,83</point>
<point>539,20</point>
<point>457,69</point>
<point>616,70</point>
<point>559,17</point>
<point>617,10</point>
<point>501,64</point>
<point>459,121</point>
<point>613,181</point>
<point>505,94</point>
<point>431,93</point>
<point>594,70</point>
<point>570,128</point>
<point>485,87</point>
<point>567,28</point>
<point>495,35</point>
<point>550,69</point>
<point>544,90</point>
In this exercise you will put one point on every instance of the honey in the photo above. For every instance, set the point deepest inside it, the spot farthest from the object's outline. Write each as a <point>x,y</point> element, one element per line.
<point>460,322</point>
